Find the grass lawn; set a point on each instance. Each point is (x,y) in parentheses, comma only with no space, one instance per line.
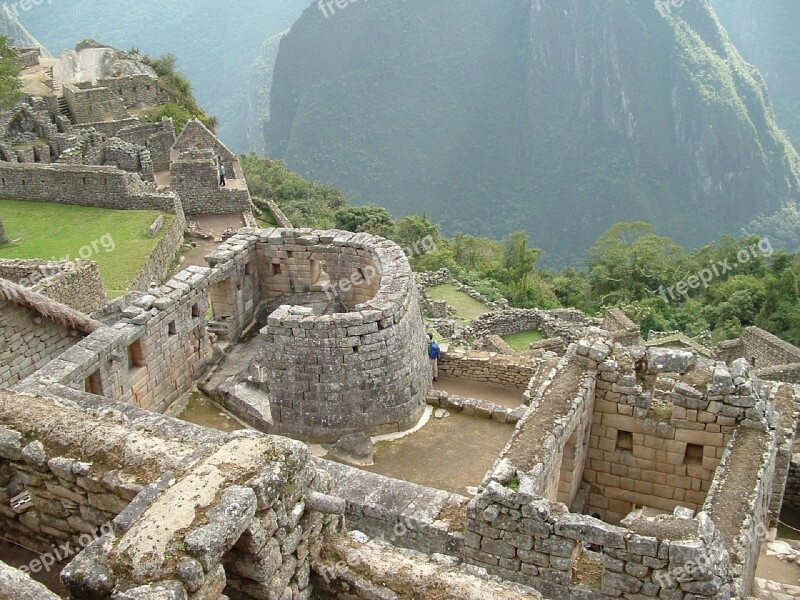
(521,341)
(116,239)
(467,308)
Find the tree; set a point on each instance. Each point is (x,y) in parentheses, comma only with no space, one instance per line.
(630,262)
(10,83)
(477,254)
(369,219)
(413,229)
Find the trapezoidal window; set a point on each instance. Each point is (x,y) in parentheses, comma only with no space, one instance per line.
(93,384)
(624,440)
(135,355)
(694,455)
(276,269)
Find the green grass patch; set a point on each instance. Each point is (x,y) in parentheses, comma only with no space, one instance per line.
(467,308)
(116,239)
(522,341)
(265,219)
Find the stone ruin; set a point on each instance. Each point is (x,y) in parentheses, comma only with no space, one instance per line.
(656,444)
(682,460)
(351,358)
(77,138)
(3,237)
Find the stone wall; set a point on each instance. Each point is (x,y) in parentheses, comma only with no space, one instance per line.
(28,57)
(277,214)
(482,409)
(738,502)
(93,104)
(29,342)
(77,284)
(151,357)
(356,568)
(195,178)
(158,138)
(399,512)
(136,91)
(156,504)
(519,527)
(789,373)
(162,257)
(196,136)
(102,187)
(763,349)
(128,157)
(3,237)
(568,324)
(791,498)
(16,584)
(365,369)
(621,328)
(109,128)
(640,452)
(513,371)
(325,373)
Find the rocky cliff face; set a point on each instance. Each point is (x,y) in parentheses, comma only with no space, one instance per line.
(14,30)
(765,32)
(559,117)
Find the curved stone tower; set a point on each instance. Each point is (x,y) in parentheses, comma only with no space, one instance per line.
(362,370)
(344,350)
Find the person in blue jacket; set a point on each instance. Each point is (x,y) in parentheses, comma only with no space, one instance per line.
(433,356)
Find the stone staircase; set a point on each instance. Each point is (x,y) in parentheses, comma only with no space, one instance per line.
(64,107)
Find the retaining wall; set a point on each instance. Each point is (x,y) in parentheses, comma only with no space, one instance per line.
(101,187)
(162,257)
(513,371)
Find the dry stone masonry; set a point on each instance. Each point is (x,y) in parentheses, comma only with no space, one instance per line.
(683,448)
(682,461)
(211,510)
(352,357)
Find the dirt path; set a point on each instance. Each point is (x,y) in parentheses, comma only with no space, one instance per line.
(772,569)
(493,392)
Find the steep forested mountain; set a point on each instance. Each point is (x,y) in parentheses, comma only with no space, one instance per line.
(561,117)
(766,33)
(216,44)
